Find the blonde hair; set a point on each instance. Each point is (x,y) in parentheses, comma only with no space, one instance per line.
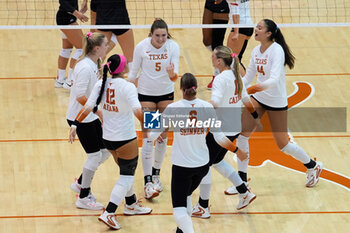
(90,41)
(225,53)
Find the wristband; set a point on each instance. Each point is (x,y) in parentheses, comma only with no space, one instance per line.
(75,124)
(235,150)
(254,114)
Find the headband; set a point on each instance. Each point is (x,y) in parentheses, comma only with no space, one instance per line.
(121,66)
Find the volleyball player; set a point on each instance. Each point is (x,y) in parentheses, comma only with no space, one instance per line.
(238,37)
(215,12)
(227,96)
(114,12)
(119,103)
(85,75)
(158,58)
(189,154)
(269,96)
(67,14)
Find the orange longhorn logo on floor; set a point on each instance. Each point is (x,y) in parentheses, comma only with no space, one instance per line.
(263,148)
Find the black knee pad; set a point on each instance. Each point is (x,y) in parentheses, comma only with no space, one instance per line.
(218,34)
(127,166)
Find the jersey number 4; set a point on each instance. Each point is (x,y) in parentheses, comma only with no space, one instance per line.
(261,70)
(110,96)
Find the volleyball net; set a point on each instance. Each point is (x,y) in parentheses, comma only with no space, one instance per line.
(183,12)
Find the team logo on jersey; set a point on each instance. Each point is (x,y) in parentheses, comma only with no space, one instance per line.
(152,120)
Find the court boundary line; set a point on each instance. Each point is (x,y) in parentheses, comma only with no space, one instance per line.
(167,214)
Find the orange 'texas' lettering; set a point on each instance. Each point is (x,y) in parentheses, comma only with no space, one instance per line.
(158,56)
(263,147)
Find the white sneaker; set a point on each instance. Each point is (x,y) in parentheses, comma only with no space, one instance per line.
(150,192)
(157,185)
(59,83)
(233,191)
(67,85)
(200,212)
(109,220)
(137,209)
(88,203)
(75,186)
(313,175)
(245,199)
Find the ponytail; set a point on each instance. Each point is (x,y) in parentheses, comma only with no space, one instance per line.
(278,37)
(237,75)
(104,79)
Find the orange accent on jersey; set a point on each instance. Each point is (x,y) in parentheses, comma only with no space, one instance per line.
(260,69)
(255,88)
(110,96)
(83,114)
(158,67)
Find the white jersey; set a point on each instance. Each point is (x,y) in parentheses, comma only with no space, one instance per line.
(118,104)
(225,95)
(154,79)
(241,8)
(85,76)
(271,73)
(189,146)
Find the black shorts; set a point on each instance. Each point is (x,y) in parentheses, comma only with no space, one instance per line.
(217,8)
(90,135)
(113,145)
(63,18)
(245,31)
(112,12)
(216,152)
(184,181)
(156,99)
(93,5)
(266,107)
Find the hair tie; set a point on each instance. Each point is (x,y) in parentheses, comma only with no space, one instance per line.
(107,64)
(156,19)
(121,66)
(233,55)
(276,28)
(194,88)
(89,34)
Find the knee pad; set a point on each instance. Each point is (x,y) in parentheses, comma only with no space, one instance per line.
(77,54)
(127,167)
(224,168)
(105,155)
(114,39)
(207,178)
(65,53)
(63,36)
(93,161)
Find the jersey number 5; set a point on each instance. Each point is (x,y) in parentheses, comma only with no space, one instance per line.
(158,67)
(110,96)
(261,70)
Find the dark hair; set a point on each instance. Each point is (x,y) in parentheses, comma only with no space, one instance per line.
(111,65)
(159,23)
(277,35)
(225,53)
(188,84)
